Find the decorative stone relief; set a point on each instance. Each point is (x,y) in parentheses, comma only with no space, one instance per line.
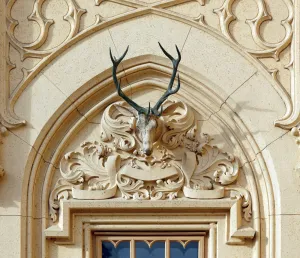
(182,164)
(239,21)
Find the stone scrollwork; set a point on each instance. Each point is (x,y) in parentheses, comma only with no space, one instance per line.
(182,164)
(87,175)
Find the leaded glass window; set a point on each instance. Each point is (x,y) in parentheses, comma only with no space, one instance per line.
(150,246)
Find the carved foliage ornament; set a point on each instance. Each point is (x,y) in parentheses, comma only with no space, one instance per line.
(148,154)
(182,164)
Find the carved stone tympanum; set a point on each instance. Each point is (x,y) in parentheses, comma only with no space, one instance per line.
(148,154)
(182,164)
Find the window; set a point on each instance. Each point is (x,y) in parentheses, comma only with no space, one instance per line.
(151,245)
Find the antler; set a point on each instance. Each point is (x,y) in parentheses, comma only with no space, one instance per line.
(116,62)
(170,91)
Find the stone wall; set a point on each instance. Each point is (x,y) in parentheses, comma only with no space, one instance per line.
(225,148)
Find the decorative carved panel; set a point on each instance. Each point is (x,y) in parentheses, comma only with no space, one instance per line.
(73,191)
(183,165)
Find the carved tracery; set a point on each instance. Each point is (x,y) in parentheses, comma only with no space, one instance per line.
(277,57)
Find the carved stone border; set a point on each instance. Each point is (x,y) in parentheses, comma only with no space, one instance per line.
(236,233)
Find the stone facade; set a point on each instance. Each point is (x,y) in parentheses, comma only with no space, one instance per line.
(224,158)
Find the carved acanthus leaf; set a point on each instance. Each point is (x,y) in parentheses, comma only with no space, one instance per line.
(78,167)
(240,192)
(168,188)
(62,191)
(224,166)
(132,188)
(179,119)
(116,128)
(90,170)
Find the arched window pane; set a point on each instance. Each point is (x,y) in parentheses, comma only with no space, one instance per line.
(157,250)
(178,251)
(121,251)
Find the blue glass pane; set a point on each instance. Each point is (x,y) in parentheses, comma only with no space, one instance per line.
(142,249)
(121,251)
(178,251)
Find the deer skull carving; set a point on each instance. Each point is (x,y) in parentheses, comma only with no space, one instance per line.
(147,118)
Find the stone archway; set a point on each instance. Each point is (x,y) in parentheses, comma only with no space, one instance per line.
(145,75)
(223,84)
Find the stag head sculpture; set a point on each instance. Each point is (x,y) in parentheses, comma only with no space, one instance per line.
(147,118)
